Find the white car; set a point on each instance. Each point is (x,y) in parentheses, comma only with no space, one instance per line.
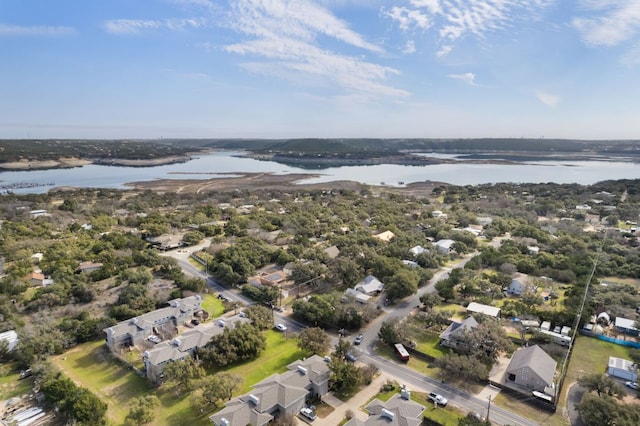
(308,413)
(632,385)
(154,339)
(281,327)
(438,399)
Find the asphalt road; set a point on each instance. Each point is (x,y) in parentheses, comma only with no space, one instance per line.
(366,350)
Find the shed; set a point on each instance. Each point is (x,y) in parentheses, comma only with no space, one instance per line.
(546,325)
(489,310)
(622,368)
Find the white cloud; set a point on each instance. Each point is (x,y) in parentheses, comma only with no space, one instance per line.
(409,18)
(137,26)
(444,50)
(287,35)
(468,77)
(616,21)
(456,19)
(20,30)
(409,48)
(548,99)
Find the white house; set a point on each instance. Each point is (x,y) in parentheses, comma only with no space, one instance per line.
(516,287)
(369,285)
(417,250)
(444,246)
(623,369)
(11,337)
(479,308)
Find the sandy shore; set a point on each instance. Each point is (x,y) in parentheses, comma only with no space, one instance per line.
(66,163)
(268,181)
(61,163)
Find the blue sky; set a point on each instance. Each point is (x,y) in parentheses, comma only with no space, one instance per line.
(324,68)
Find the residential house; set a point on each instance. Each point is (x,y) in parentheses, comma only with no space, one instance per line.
(444,246)
(358,296)
(183,346)
(453,336)
(532,250)
(400,410)
(623,369)
(279,394)
(370,285)
(166,242)
(88,267)
(161,322)
(418,250)
(531,369)
(332,252)
(35,279)
(517,287)
(484,220)
(626,326)
(479,308)
(385,236)
(11,337)
(38,213)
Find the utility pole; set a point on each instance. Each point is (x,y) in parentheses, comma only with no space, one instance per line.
(489,408)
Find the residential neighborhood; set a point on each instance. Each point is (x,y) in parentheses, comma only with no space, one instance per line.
(280,308)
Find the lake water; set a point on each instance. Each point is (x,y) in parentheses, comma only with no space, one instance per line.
(212,165)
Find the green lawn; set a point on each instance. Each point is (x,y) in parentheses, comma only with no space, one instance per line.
(279,353)
(213,305)
(10,385)
(91,366)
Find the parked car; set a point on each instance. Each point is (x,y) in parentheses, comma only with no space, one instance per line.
(25,373)
(308,413)
(281,327)
(351,357)
(438,399)
(632,385)
(154,339)
(358,339)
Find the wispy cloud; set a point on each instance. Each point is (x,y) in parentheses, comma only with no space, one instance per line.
(611,22)
(468,78)
(409,48)
(290,38)
(456,19)
(20,30)
(137,26)
(409,18)
(548,99)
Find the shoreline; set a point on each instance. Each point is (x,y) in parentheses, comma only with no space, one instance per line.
(69,163)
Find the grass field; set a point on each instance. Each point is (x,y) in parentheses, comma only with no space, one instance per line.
(10,385)
(91,366)
(213,305)
(280,352)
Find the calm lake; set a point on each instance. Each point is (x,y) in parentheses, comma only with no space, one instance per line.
(208,166)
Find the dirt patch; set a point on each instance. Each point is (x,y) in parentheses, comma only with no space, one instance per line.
(288,182)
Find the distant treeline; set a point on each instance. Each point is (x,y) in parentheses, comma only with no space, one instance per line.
(50,149)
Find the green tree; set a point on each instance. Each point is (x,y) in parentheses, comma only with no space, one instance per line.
(345,376)
(602,384)
(314,340)
(401,284)
(216,388)
(391,331)
(261,316)
(183,375)
(143,410)
(429,300)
